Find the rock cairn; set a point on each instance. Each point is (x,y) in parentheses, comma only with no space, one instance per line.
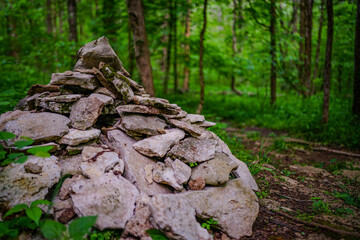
(128,155)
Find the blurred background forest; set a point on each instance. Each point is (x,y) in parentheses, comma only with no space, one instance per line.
(249,45)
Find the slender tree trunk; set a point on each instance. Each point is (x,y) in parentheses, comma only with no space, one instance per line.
(302,45)
(187,48)
(273,51)
(49,26)
(327,69)
(234,50)
(356,100)
(168,49)
(60,16)
(142,53)
(316,67)
(175,48)
(294,17)
(131,53)
(72,19)
(201,70)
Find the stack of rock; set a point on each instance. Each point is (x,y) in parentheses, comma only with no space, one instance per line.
(128,155)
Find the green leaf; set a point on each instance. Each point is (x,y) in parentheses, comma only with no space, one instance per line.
(26,138)
(41,151)
(16,209)
(40,202)
(3,229)
(21,160)
(23,143)
(81,226)
(6,135)
(52,229)
(15,155)
(34,213)
(156,234)
(2,155)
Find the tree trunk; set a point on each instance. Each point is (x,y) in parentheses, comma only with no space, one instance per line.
(316,67)
(168,49)
(294,17)
(327,69)
(234,50)
(72,20)
(187,48)
(131,53)
(175,49)
(60,16)
(49,26)
(356,100)
(142,53)
(201,55)
(273,51)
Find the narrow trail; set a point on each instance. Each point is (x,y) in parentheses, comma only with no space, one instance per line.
(306,192)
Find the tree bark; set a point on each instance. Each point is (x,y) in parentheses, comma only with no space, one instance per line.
(49,26)
(294,16)
(356,99)
(201,70)
(60,16)
(273,51)
(168,49)
(327,69)
(316,67)
(175,48)
(142,53)
(234,50)
(131,53)
(72,19)
(187,48)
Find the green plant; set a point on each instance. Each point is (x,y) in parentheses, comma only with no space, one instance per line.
(320,206)
(349,198)
(104,235)
(156,234)
(209,224)
(193,164)
(287,172)
(344,211)
(279,145)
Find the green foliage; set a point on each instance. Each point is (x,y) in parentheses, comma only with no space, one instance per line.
(156,234)
(193,164)
(209,224)
(349,198)
(320,206)
(41,151)
(104,235)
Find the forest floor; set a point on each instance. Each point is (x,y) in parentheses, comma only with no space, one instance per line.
(305,191)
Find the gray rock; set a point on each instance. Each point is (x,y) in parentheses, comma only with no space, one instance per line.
(182,172)
(40,127)
(70,165)
(242,172)
(92,53)
(105,91)
(191,150)
(39,88)
(111,198)
(168,113)
(163,173)
(66,187)
(192,129)
(102,163)
(75,137)
(63,210)
(103,98)
(86,81)
(56,107)
(154,102)
(138,125)
(73,150)
(9,116)
(158,146)
(174,216)
(206,124)
(19,186)
(195,118)
(215,171)
(134,163)
(29,102)
(32,168)
(234,206)
(85,113)
(63,98)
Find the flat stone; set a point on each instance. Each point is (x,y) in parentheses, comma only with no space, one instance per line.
(63,210)
(75,137)
(242,172)
(66,187)
(215,171)
(32,168)
(164,173)
(132,108)
(39,88)
(193,130)
(29,102)
(192,150)
(92,53)
(102,163)
(234,206)
(137,124)
(107,84)
(56,107)
(41,127)
(63,98)
(105,91)
(182,171)
(154,102)
(158,146)
(85,113)
(19,186)
(111,198)
(70,165)
(197,184)
(11,115)
(195,118)
(86,81)
(206,124)
(309,170)
(73,150)
(103,98)
(134,163)
(174,216)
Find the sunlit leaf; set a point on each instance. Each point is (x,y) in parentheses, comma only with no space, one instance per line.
(52,229)
(6,135)
(81,226)
(40,202)
(23,143)
(41,151)
(15,209)
(34,213)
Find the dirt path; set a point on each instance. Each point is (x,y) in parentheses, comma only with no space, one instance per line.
(304,194)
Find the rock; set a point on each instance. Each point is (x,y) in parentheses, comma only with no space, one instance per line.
(158,146)
(309,170)
(234,206)
(138,125)
(41,127)
(75,137)
(85,113)
(38,88)
(197,184)
(215,171)
(105,91)
(154,102)
(193,130)
(86,81)
(29,103)
(148,173)
(352,174)
(70,165)
(56,107)
(119,168)
(172,113)
(73,150)
(18,186)
(96,167)
(140,222)
(63,210)
(103,98)
(206,124)
(107,84)
(65,189)
(195,118)
(63,98)
(163,173)
(182,172)
(90,153)
(32,168)
(134,163)
(56,147)
(176,218)
(111,198)
(9,116)
(191,150)
(92,53)
(242,172)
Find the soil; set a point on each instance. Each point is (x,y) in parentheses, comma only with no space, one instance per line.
(301,188)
